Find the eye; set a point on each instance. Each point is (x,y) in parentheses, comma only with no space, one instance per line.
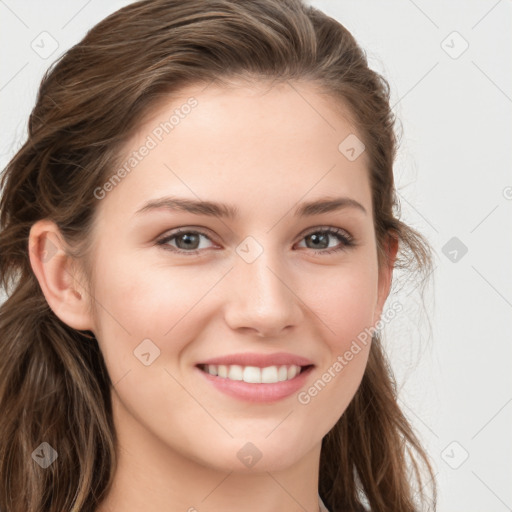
(320,240)
(188,241)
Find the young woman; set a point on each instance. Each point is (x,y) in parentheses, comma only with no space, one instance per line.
(197,242)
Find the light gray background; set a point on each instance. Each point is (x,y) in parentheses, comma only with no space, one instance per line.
(453,175)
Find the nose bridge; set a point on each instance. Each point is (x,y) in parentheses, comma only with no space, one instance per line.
(264,299)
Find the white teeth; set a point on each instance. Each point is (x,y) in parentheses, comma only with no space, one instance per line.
(282,373)
(253,374)
(292,371)
(235,372)
(269,374)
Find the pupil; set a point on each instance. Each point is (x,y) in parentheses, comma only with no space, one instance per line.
(316,238)
(187,238)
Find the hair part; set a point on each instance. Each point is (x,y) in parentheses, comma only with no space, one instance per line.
(54,385)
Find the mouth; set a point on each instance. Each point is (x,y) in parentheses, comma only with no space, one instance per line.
(255,374)
(254,384)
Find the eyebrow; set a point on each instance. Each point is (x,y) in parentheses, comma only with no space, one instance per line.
(212,208)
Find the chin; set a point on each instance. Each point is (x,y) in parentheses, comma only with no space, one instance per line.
(253,458)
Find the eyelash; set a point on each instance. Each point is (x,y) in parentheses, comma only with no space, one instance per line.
(342,235)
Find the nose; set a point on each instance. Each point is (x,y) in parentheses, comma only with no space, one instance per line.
(261,297)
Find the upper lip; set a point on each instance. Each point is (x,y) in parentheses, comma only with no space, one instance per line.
(259,360)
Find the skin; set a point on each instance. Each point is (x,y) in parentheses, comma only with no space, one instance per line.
(264,149)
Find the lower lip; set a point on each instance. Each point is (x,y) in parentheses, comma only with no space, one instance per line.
(258,392)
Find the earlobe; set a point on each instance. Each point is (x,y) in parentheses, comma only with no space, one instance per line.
(52,267)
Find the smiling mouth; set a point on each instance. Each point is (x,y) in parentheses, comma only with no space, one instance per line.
(254,374)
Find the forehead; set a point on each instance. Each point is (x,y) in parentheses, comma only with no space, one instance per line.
(241,116)
(275,142)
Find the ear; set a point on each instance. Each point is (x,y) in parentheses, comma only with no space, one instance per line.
(53,269)
(386,274)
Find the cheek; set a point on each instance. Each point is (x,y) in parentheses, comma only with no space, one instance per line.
(346,311)
(136,302)
(345,303)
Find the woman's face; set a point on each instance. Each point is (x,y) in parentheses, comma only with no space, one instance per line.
(267,279)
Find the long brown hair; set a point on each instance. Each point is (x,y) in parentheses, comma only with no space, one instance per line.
(54,386)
